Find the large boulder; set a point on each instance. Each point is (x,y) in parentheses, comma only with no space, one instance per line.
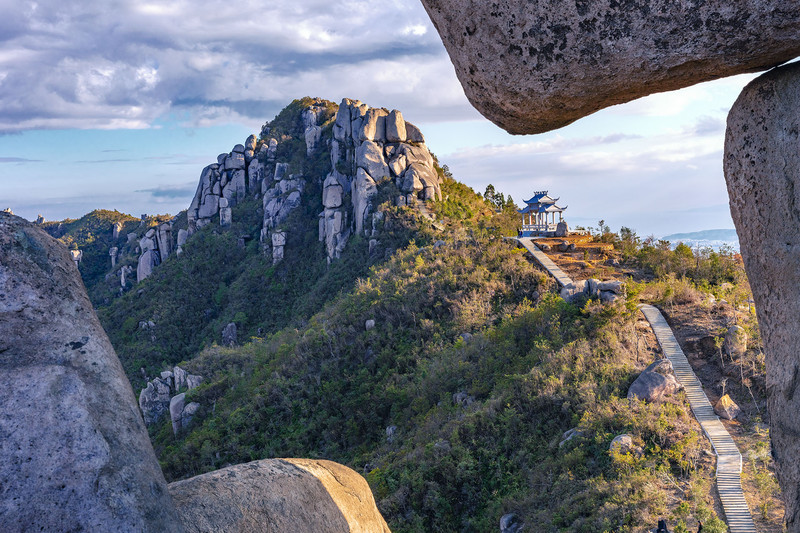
(762,170)
(735,343)
(76,454)
(154,400)
(655,383)
(278,495)
(531,67)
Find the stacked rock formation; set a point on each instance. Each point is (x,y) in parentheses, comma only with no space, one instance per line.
(155,399)
(370,147)
(155,247)
(608,291)
(224,183)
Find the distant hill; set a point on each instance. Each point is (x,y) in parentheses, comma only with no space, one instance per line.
(705,235)
(712,238)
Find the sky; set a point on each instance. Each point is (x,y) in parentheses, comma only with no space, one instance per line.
(119,104)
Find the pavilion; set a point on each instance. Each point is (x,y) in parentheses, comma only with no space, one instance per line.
(539,215)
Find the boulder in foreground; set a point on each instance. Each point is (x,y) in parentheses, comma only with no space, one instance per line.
(762,171)
(76,455)
(531,67)
(278,495)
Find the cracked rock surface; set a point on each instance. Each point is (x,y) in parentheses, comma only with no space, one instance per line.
(531,67)
(76,455)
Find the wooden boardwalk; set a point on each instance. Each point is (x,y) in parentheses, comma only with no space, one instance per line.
(543,260)
(729,460)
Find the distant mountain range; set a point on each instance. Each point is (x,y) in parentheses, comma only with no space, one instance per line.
(715,238)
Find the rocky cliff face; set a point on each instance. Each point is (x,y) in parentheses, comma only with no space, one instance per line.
(76,454)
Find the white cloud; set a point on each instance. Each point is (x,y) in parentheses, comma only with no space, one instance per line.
(124,63)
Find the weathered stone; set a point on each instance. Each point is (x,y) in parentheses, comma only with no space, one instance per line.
(183,236)
(623,444)
(331,192)
(164,239)
(279,495)
(147,262)
(511,523)
(225,216)
(181,413)
(364,190)
(398,164)
(76,454)
(373,127)
(280,171)
(575,290)
(238,184)
(116,227)
(180,378)
(250,143)
(762,169)
(238,149)
(395,127)
(570,434)
(312,136)
(229,334)
(562,229)
(726,408)
(369,324)
(655,383)
(113,253)
(735,343)
(369,156)
(413,134)
(154,401)
(193,381)
(255,175)
(209,207)
(615,286)
(531,67)
(235,161)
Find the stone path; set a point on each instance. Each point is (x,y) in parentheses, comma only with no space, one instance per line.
(543,260)
(729,460)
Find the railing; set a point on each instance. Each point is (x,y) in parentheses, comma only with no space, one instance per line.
(539,227)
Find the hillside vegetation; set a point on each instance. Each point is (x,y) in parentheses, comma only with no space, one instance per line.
(442,365)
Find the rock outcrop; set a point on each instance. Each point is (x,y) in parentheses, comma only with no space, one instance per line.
(655,383)
(371,147)
(76,454)
(155,399)
(531,67)
(181,413)
(229,334)
(762,170)
(735,343)
(278,495)
(608,292)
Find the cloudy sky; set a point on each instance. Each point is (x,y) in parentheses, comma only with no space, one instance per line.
(119,104)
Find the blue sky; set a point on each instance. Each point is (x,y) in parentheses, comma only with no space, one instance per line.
(120,105)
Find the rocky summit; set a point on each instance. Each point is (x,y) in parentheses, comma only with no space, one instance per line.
(368,147)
